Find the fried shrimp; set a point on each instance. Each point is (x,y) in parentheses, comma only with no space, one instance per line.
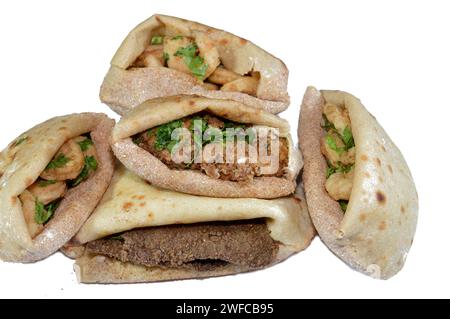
(48,191)
(66,164)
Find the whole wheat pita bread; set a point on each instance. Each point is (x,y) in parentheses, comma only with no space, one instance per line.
(159,111)
(377,230)
(125,88)
(22,162)
(131,203)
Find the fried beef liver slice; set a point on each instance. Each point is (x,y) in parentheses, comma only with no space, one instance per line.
(245,243)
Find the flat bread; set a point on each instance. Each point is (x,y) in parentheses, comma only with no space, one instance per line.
(22,162)
(131,203)
(125,87)
(377,230)
(160,111)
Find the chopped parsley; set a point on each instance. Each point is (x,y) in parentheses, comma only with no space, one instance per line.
(193,61)
(171,145)
(331,142)
(157,39)
(59,161)
(341,168)
(327,125)
(90,164)
(177,37)
(164,134)
(44,212)
(347,138)
(330,171)
(44,183)
(85,144)
(201,132)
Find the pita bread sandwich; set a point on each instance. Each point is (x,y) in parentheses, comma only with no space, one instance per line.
(51,179)
(359,190)
(208,147)
(142,233)
(165,56)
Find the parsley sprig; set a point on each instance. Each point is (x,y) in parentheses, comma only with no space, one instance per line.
(193,61)
(157,39)
(43,213)
(90,164)
(85,144)
(164,134)
(45,183)
(59,161)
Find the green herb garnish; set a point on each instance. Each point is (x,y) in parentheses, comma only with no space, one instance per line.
(177,37)
(157,39)
(90,164)
(164,134)
(341,168)
(194,62)
(59,161)
(347,138)
(44,183)
(333,146)
(198,66)
(327,125)
(44,212)
(85,144)
(330,171)
(344,168)
(171,145)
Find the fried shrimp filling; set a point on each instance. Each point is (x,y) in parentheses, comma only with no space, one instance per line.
(197,56)
(338,147)
(73,163)
(217,147)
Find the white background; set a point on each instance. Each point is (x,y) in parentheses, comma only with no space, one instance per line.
(392,55)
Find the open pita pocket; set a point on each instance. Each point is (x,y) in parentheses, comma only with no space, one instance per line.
(369,177)
(165,56)
(141,233)
(143,141)
(51,179)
